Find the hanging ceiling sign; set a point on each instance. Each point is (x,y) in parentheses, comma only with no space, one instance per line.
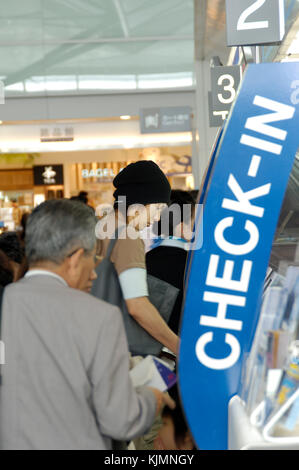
(173,119)
(256,22)
(57,134)
(226,276)
(225,82)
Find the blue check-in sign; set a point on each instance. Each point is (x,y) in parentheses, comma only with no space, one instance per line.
(226,276)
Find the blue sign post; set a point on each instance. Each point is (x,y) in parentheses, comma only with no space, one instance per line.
(226,277)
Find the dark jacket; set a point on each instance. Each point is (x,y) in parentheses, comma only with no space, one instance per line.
(168,263)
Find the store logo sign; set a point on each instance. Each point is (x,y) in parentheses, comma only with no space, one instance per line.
(98,173)
(49,175)
(226,277)
(57,134)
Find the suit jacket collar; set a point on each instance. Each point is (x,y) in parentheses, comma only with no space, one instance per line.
(44,272)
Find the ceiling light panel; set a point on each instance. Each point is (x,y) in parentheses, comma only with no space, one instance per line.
(93,45)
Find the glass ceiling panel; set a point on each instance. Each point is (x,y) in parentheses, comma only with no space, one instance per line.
(94,42)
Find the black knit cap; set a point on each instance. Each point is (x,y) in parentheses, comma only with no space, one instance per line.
(142,183)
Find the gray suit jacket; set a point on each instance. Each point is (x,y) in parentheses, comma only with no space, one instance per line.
(66,381)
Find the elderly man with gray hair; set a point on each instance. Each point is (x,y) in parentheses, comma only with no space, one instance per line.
(65,381)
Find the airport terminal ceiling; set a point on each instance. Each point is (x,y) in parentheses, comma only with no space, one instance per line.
(79,46)
(95,46)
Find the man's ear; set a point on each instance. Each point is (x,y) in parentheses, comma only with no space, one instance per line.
(74,260)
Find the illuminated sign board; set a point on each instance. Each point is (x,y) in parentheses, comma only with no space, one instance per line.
(46,175)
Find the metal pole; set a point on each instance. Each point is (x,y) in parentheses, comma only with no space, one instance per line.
(203,135)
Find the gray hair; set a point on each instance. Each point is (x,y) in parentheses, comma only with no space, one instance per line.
(58,227)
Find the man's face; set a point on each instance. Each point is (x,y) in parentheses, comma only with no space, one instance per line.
(82,270)
(154,212)
(145,216)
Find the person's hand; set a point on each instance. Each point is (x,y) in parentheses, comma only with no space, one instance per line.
(162,399)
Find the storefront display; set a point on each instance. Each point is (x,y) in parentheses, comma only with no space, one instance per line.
(96,178)
(23,189)
(48,182)
(12,206)
(16,196)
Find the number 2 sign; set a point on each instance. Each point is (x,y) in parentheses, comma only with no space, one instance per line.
(256,22)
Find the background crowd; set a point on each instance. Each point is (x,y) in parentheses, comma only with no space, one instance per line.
(69,346)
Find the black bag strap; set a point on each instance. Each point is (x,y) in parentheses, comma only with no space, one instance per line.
(113,241)
(110,247)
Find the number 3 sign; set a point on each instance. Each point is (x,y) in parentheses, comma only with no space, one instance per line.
(225,82)
(256,22)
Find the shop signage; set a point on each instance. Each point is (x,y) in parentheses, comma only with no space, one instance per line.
(98,173)
(256,22)
(46,175)
(171,165)
(57,134)
(225,82)
(226,276)
(173,119)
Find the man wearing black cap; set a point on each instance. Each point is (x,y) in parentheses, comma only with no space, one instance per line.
(142,191)
(142,183)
